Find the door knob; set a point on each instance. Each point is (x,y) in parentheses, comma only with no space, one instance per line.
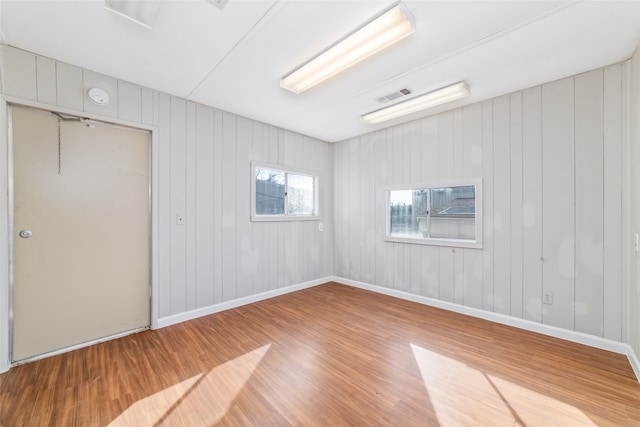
(25,234)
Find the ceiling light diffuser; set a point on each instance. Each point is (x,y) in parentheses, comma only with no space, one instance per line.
(141,12)
(377,34)
(418,103)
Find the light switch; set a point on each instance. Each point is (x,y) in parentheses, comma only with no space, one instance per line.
(179,219)
(320,226)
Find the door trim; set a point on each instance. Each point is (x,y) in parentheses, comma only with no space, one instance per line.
(10,227)
(7,103)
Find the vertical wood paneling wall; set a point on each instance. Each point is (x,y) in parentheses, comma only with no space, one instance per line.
(551,159)
(556,178)
(204,174)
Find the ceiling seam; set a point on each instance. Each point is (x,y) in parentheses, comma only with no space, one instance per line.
(233,48)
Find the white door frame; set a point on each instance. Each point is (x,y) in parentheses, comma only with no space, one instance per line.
(6,216)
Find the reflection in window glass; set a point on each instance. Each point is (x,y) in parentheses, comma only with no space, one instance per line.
(444,213)
(270,192)
(299,194)
(405,207)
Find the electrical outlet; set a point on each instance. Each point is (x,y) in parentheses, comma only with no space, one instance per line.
(547,298)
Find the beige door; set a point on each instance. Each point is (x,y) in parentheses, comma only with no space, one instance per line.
(83,194)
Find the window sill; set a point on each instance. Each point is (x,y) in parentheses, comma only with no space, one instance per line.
(282,218)
(453,243)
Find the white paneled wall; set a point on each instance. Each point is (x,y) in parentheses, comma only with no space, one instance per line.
(551,159)
(631,157)
(555,173)
(204,175)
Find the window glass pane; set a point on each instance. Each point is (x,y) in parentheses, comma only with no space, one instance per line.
(300,196)
(440,213)
(269,192)
(408,211)
(453,213)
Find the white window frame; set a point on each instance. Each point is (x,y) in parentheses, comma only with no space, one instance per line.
(286,170)
(456,243)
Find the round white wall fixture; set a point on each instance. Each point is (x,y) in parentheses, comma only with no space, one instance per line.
(98,96)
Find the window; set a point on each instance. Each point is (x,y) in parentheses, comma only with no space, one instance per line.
(280,194)
(445,215)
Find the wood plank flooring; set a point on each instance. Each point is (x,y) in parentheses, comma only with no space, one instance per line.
(331,355)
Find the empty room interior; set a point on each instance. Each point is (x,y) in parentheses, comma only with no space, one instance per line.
(319,213)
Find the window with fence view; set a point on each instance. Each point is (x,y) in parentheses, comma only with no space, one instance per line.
(281,193)
(447,212)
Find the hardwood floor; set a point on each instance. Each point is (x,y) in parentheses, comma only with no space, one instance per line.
(326,356)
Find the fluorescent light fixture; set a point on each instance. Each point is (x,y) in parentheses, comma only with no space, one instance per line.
(141,12)
(421,102)
(372,37)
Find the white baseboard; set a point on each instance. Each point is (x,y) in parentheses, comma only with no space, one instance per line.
(635,363)
(216,308)
(553,331)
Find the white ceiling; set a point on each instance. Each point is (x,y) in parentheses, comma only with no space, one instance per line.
(233,58)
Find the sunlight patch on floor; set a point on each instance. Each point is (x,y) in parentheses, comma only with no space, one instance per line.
(200,400)
(461,395)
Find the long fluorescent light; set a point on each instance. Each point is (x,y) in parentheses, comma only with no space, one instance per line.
(379,33)
(421,102)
